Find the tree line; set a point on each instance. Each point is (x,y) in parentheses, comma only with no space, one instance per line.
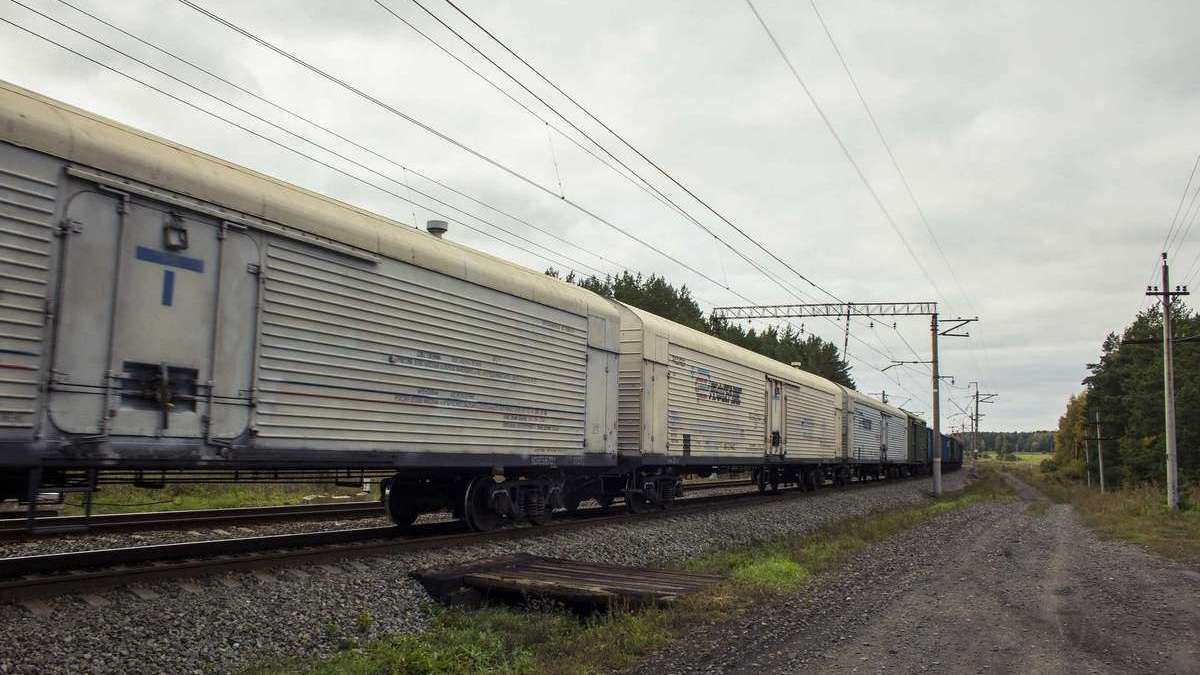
(1005,442)
(1125,391)
(654,294)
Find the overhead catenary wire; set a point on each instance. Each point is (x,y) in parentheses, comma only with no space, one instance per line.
(257,134)
(626,143)
(405,169)
(243,128)
(862,99)
(635,150)
(479,155)
(501,166)
(693,220)
(844,148)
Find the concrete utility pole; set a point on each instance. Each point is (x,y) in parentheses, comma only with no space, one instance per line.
(937,409)
(1169,381)
(1100,451)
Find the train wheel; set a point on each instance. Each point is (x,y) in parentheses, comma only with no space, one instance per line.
(477,505)
(571,502)
(636,503)
(397,505)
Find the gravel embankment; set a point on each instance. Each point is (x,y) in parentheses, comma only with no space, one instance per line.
(222,624)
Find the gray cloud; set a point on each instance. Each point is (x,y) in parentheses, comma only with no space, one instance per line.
(1047,142)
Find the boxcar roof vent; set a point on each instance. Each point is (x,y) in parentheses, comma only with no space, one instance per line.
(436,227)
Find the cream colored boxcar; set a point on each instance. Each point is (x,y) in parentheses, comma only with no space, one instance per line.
(690,399)
(161,309)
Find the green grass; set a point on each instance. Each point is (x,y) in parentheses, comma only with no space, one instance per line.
(126,498)
(514,641)
(507,641)
(1135,514)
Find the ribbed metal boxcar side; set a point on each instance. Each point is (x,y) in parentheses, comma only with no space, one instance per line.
(896,447)
(330,337)
(28,213)
(864,425)
(703,401)
(812,430)
(715,408)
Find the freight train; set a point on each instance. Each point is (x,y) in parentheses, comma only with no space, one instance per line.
(169,316)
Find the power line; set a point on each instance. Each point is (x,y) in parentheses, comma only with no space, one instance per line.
(241,127)
(892,157)
(259,135)
(636,151)
(1174,218)
(335,134)
(576,127)
(627,144)
(841,144)
(447,138)
(520,103)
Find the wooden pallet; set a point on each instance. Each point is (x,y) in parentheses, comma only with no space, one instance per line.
(523,576)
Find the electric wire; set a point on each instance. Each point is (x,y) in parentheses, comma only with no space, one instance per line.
(428,128)
(448,139)
(258,135)
(277,106)
(635,150)
(606,127)
(896,164)
(247,130)
(579,130)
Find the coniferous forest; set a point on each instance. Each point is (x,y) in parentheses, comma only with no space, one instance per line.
(654,294)
(1125,390)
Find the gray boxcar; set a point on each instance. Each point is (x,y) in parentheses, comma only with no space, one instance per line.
(164,310)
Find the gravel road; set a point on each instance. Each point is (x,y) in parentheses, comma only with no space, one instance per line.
(224,623)
(995,588)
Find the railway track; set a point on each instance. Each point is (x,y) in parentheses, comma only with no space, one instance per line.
(162,520)
(31,577)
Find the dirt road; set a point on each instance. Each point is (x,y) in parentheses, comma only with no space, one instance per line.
(996,588)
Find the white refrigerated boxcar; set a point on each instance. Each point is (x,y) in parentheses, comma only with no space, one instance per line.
(692,402)
(162,310)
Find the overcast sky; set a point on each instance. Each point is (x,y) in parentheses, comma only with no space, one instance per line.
(1048,144)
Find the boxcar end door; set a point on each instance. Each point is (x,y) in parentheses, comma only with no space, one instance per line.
(776,419)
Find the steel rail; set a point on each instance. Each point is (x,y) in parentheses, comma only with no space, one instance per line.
(150,520)
(55,574)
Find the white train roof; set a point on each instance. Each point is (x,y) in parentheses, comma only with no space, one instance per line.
(39,123)
(713,346)
(862,399)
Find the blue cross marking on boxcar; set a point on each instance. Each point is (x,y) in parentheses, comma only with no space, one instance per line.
(168,259)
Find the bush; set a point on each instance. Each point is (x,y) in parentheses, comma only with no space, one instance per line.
(1049,465)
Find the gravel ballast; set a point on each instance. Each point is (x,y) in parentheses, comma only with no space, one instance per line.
(87,541)
(228,622)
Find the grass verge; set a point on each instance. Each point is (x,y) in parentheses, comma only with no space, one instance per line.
(506,640)
(1135,514)
(127,499)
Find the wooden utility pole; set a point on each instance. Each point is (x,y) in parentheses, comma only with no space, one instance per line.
(1100,451)
(1167,296)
